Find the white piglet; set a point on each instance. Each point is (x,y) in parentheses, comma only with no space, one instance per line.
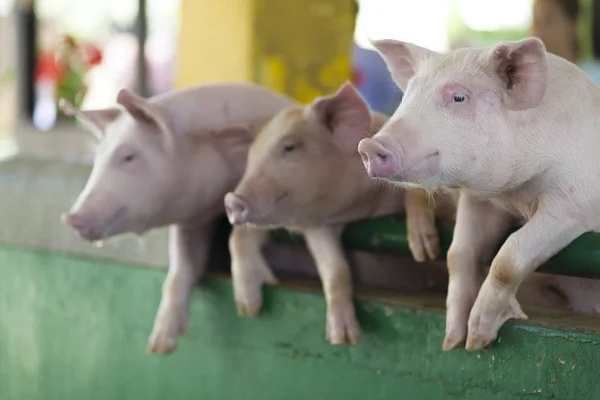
(168,161)
(518,129)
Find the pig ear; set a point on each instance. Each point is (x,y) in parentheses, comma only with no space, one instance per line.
(401,58)
(233,142)
(95,120)
(141,109)
(523,69)
(345,113)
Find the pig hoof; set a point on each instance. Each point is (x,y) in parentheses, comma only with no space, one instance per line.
(342,327)
(167,328)
(248,290)
(424,243)
(249,309)
(161,345)
(476,343)
(453,340)
(488,316)
(459,303)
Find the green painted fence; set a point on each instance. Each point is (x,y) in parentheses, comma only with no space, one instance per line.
(76,328)
(388,234)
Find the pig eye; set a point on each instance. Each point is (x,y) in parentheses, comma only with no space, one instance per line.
(290,147)
(458,98)
(129,158)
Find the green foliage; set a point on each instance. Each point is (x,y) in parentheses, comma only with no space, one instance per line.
(72,86)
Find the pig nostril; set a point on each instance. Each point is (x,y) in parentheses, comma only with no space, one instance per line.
(235,208)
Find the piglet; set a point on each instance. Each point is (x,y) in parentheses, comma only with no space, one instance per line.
(305,174)
(518,129)
(168,161)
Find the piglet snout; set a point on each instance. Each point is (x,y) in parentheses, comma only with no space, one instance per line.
(80,223)
(76,221)
(379,161)
(66,218)
(236,209)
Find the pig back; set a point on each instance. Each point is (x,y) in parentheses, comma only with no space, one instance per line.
(204,107)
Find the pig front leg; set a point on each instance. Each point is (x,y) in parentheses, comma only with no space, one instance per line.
(326,248)
(478,230)
(547,232)
(249,268)
(188,254)
(423,237)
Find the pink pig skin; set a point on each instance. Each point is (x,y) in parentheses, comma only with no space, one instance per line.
(304,173)
(518,129)
(169,161)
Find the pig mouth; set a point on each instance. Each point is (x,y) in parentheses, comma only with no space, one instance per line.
(264,215)
(110,228)
(417,168)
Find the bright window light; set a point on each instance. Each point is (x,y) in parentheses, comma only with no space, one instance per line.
(5,7)
(422,22)
(486,15)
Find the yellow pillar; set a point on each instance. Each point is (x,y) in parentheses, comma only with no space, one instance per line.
(215,41)
(298,47)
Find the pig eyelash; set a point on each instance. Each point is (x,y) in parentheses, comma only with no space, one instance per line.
(459,98)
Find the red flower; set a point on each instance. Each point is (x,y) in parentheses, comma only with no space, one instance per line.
(92,54)
(47,67)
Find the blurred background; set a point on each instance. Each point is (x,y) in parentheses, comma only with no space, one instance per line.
(86,50)
(62,332)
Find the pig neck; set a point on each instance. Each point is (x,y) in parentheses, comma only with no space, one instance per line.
(357,196)
(204,179)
